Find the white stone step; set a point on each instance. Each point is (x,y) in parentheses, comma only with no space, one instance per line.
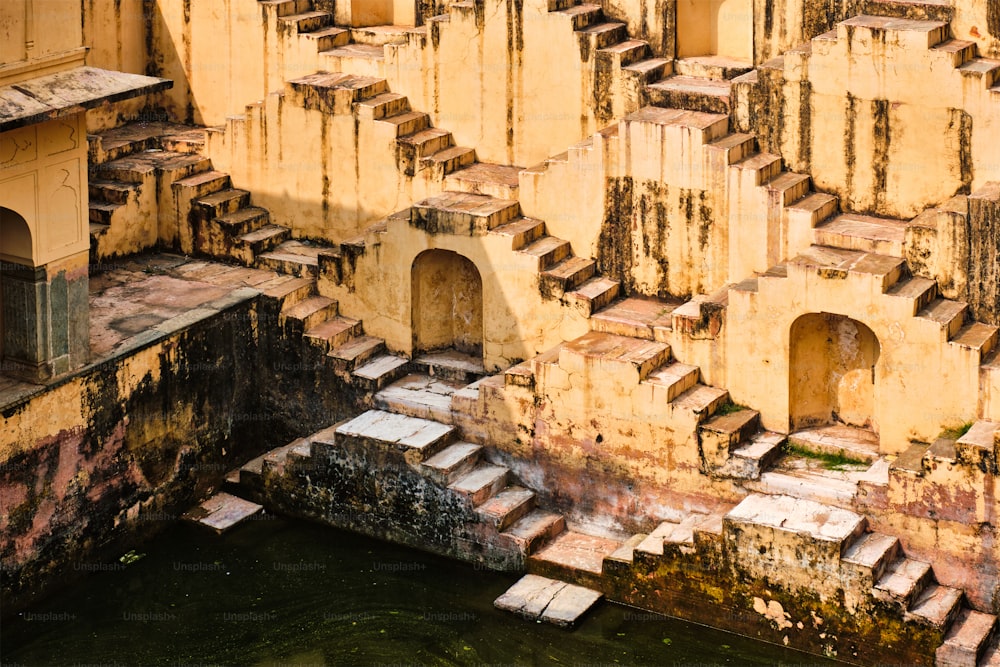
(542,599)
(418,439)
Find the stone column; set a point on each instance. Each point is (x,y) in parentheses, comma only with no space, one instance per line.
(46,318)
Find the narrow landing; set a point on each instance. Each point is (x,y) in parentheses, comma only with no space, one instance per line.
(223,511)
(542,599)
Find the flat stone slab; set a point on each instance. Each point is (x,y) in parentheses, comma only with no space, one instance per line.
(797,515)
(838,439)
(578,551)
(542,599)
(411,432)
(223,512)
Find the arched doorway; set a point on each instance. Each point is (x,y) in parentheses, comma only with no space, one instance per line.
(447,303)
(15,238)
(15,250)
(832,372)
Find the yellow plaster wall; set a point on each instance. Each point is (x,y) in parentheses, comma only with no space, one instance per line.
(43,178)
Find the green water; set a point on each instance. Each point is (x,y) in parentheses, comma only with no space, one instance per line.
(280,593)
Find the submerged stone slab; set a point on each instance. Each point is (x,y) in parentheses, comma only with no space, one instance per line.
(223,512)
(542,599)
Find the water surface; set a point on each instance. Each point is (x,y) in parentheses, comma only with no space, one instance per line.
(279,593)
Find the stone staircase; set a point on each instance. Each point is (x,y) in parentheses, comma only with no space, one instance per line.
(131,172)
(494,519)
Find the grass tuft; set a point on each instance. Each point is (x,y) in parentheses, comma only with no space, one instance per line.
(836,461)
(956,432)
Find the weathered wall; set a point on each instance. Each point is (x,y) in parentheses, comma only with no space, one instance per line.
(111,453)
(984,253)
(517,322)
(846,111)
(915,357)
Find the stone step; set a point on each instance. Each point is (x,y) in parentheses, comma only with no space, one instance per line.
(649,70)
(978,446)
(97,229)
(137,167)
(203,183)
(883,271)
(548,250)
(273,463)
(448,160)
(309,313)
(977,336)
(452,462)
(638,317)
(573,552)
(985,70)
(383,105)
(419,395)
(307,21)
(712,67)
(669,532)
(720,434)
(865,233)
(541,599)
(101,213)
(243,221)
(380,371)
(734,147)
(968,640)
(626,552)
(763,167)
(113,192)
(602,35)
(223,202)
(676,377)
(380,34)
(328,38)
(869,556)
(594,294)
(903,582)
(991,656)
(506,507)
(861,32)
(916,292)
(949,315)
(838,440)
(356,352)
(481,483)
(412,148)
(566,275)
(462,213)
(692,93)
(522,231)
(292,258)
(333,93)
(223,512)
(813,208)
(285,7)
(600,352)
(288,290)
(625,53)
(806,485)
(701,400)
(406,123)
(956,51)
(937,10)
(451,365)
(333,332)
(775,530)
(494,180)
(750,459)
(264,239)
(417,439)
(534,529)
(787,188)
(581,15)
(936,606)
(360,59)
